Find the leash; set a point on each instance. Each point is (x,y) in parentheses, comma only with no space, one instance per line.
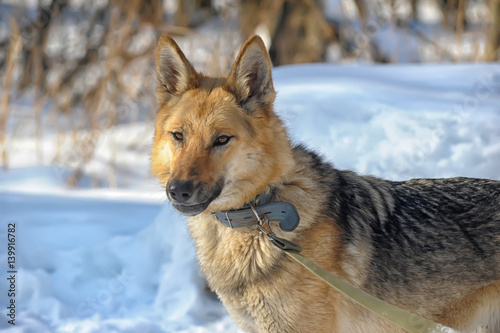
(404,319)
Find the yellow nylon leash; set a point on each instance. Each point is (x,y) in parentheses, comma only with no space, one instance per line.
(402,318)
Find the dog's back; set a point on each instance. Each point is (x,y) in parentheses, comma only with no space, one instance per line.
(450,224)
(434,231)
(443,239)
(425,225)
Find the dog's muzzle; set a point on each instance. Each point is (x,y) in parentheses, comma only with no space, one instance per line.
(189,198)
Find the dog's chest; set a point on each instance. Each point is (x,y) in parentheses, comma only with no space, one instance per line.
(262,307)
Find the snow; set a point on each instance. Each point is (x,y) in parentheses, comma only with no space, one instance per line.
(121,260)
(397,121)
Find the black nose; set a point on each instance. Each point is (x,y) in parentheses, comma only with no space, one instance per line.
(180,190)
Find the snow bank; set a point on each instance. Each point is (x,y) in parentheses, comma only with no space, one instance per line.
(397,122)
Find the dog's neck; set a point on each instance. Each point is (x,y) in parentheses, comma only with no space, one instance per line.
(244,216)
(259,212)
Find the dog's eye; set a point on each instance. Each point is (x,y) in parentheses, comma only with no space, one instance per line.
(222,140)
(178,136)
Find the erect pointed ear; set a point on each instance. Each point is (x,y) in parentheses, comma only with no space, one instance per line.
(251,79)
(175,73)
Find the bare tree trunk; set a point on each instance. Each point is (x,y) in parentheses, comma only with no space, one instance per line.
(15,47)
(298,29)
(192,13)
(455,10)
(36,35)
(414,9)
(362,10)
(493,41)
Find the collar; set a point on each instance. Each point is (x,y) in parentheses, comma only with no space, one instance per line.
(283,212)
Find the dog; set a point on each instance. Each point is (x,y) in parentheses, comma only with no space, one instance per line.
(429,246)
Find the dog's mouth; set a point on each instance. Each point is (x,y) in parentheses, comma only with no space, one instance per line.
(198,201)
(191,210)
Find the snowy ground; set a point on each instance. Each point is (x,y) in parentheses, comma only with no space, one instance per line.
(120,260)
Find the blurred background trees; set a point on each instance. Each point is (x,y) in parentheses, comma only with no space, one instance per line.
(86,66)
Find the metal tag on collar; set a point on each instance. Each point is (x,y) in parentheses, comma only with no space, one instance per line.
(279,242)
(263,224)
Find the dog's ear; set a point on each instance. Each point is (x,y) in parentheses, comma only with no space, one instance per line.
(250,79)
(175,73)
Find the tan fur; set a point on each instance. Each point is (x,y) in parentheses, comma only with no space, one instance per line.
(470,312)
(263,290)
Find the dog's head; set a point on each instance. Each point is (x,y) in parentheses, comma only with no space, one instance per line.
(217,141)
